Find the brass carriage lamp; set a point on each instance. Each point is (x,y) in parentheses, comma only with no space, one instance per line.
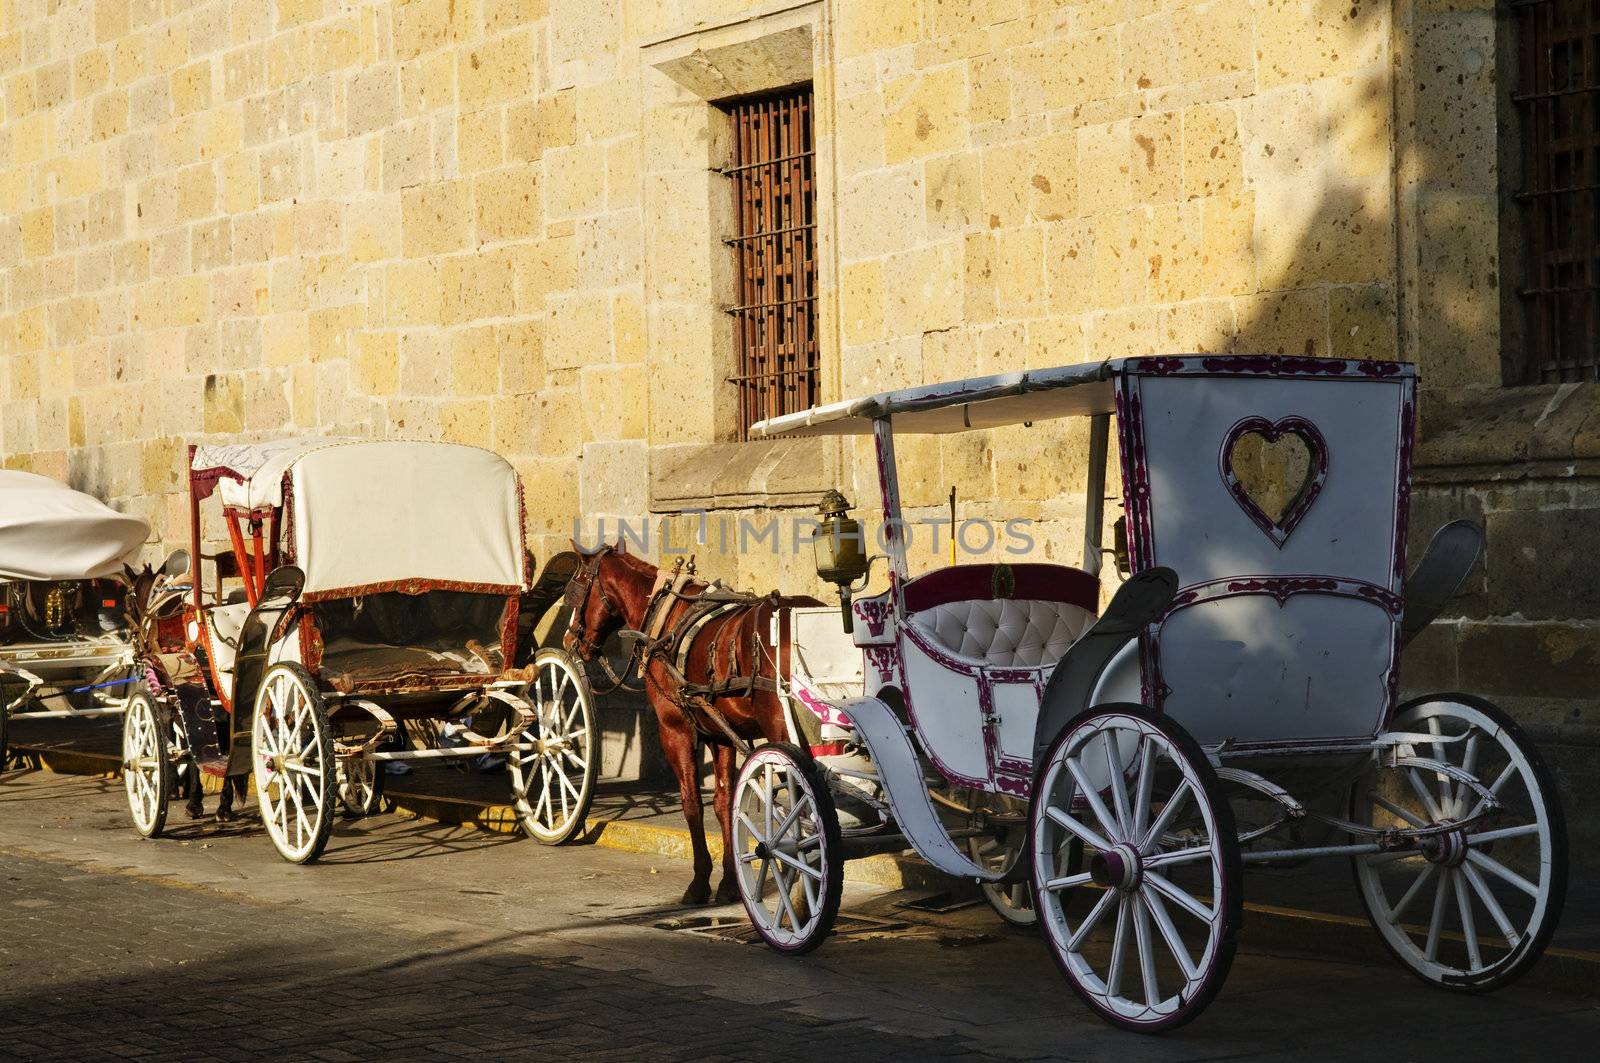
(841,558)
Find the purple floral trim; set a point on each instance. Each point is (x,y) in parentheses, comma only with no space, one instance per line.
(1276,530)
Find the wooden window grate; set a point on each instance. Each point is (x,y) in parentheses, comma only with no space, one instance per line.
(775,247)
(1559,102)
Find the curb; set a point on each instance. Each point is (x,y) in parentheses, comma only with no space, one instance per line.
(1267,926)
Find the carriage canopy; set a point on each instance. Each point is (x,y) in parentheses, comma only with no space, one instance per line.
(365,516)
(48,531)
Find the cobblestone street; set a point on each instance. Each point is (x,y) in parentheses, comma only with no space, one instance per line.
(417,941)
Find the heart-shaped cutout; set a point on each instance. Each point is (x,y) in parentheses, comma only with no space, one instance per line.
(1275,470)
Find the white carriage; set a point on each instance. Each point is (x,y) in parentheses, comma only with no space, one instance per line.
(66,630)
(372,593)
(1125,763)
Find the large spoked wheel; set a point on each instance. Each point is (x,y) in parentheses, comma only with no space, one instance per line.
(1475,907)
(1136,870)
(553,776)
(999,849)
(359,781)
(789,856)
(292,748)
(147,772)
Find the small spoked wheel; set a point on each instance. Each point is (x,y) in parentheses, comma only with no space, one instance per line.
(359,781)
(787,848)
(1472,908)
(292,750)
(557,759)
(998,849)
(1136,869)
(147,772)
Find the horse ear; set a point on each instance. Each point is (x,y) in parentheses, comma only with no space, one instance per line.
(578,549)
(622,545)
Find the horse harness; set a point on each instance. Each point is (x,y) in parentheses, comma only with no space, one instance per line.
(672,644)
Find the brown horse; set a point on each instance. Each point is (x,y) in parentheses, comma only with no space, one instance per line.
(723,692)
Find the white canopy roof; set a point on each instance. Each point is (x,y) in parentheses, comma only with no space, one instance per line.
(373,513)
(978,402)
(252,473)
(48,531)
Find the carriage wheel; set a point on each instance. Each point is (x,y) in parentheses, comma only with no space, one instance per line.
(1476,907)
(1011,901)
(788,852)
(359,782)
(147,772)
(292,748)
(1145,931)
(553,783)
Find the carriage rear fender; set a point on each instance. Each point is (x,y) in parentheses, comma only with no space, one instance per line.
(1444,567)
(1138,602)
(900,772)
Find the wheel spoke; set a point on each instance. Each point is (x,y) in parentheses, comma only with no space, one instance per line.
(1169,933)
(1067,883)
(1142,788)
(1117,784)
(1494,789)
(785,906)
(1469,927)
(1147,955)
(799,865)
(1411,894)
(1084,834)
(1490,904)
(1108,822)
(1179,897)
(1441,899)
(1091,920)
(1394,809)
(1169,812)
(1500,870)
(1501,833)
(1177,856)
(1421,788)
(1119,948)
(1469,764)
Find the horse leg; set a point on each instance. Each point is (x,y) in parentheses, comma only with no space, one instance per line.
(678,742)
(725,763)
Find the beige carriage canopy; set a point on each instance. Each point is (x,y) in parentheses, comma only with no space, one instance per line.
(959,405)
(48,531)
(374,515)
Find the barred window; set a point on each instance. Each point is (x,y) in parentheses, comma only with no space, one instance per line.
(775,246)
(1559,102)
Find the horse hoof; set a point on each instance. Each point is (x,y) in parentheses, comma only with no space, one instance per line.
(697,895)
(226,815)
(194,811)
(727,893)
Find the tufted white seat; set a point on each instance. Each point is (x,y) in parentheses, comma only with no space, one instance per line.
(1005,632)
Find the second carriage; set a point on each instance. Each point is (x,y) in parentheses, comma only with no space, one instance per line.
(1236,701)
(374,604)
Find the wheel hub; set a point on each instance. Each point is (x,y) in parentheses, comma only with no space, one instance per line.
(1116,868)
(1446,850)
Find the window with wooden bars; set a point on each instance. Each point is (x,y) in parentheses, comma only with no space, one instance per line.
(775,247)
(1559,103)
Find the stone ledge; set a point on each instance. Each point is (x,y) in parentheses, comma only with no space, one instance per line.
(765,474)
(1539,431)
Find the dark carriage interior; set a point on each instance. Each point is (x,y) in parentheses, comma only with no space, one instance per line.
(35,611)
(391,635)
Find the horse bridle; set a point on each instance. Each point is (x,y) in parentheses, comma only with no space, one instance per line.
(576,599)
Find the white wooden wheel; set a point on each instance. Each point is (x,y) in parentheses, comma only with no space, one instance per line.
(999,851)
(1136,870)
(292,750)
(1476,907)
(557,758)
(147,773)
(789,859)
(359,782)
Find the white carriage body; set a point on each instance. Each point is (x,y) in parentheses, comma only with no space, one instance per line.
(1280,635)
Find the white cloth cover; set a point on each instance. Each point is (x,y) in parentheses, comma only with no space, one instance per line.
(377,512)
(256,469)
(1006,633)
(48,531)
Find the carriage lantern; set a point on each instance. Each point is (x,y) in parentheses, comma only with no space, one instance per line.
(837,542)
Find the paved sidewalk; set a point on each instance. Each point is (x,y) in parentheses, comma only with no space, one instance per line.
(418,941)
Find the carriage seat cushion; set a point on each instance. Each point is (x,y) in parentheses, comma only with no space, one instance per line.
(1007,633)
(1007,616)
